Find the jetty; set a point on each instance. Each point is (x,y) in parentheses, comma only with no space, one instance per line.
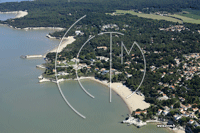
(44,80)
(40,77)
(31,56)
(134,121)
(58,81)
(40,66)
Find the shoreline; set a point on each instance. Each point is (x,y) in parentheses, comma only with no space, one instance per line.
(133,103)
(43,28)
(35,28)
(19,14)
(125,100)
(122,92)
(66,41)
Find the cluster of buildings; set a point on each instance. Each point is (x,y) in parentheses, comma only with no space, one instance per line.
(102,47)
(195,56)
(109,26)
(188,111)
(102,58)
(175,28)
(184,111)
(161,13)
(164,112)
(78,32)
(190,68)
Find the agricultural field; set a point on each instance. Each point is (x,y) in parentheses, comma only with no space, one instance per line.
(195,14)
(189,15)
(186,18)
(150,16)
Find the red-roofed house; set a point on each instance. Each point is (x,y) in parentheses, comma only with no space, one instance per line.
(189,106)
(191,121)
(137,113)
(159,111)
(172,87)
(144,112)
(195,109)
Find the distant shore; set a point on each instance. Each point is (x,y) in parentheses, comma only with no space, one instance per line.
(20,14)
(43,28)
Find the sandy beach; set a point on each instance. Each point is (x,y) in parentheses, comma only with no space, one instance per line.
(19,14)
(179,131)
(133,103)
(66,41)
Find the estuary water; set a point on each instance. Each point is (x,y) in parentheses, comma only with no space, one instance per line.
(27,106)
(3,1)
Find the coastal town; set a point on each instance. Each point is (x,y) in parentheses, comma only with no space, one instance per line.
(171,108)
(146,53)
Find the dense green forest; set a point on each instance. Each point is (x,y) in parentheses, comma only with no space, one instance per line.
(61,13)
(170,44)
(140,30)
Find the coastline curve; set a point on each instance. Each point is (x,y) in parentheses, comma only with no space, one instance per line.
(60,90)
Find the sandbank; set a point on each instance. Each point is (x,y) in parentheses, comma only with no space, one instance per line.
(65,42)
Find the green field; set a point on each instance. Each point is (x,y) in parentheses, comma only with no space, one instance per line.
(195,14)
(150,16)
(187,19)
(158,17)
(189,15)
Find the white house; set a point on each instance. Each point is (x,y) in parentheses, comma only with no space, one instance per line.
(165,112)
(177,117)
(191,121)
(159,111)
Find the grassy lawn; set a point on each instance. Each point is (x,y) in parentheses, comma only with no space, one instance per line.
(187,19)
(195,14)
(189,15)
(71,63)
(150,16)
